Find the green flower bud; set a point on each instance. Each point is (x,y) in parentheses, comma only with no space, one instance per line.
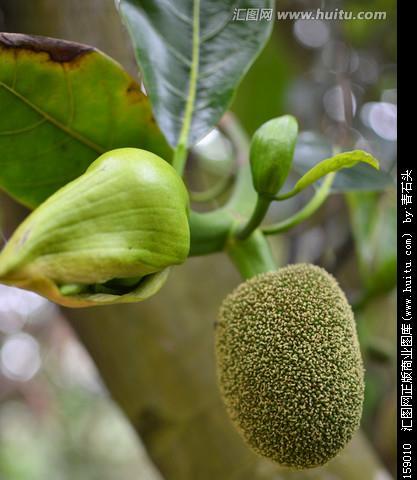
(107,237)
(271,154)
(289,365)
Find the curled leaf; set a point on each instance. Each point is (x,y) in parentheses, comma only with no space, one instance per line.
(333,164)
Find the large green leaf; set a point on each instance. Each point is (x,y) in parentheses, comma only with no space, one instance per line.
(62,105)
(192,55)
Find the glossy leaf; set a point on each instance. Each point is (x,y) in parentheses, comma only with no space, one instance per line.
(333,164)
(63,104)
(192,55)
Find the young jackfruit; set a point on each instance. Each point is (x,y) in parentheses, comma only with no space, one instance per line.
(289,365)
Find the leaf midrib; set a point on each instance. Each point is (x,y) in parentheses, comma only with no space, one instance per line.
(192,90)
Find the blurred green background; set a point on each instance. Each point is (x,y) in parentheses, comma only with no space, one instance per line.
(58,417)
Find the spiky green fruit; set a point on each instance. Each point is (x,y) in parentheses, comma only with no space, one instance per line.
(109,236)
(289,365)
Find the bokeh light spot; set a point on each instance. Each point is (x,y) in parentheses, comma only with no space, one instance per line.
(20,357)
(311,33)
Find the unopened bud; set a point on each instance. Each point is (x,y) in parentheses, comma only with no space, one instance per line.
(271,154)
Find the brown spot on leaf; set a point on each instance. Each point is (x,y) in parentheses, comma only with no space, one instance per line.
(59,50)
(133,87)
(134,93)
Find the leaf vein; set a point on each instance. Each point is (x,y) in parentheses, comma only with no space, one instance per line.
(54,121)
(181,16)
(23,129)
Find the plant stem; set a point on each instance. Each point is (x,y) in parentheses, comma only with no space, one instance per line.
(287,195)
(258,214)
(313,205)
(251,256)
(180,157)
(180,153)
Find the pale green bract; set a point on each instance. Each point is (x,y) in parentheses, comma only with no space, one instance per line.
(333,164)
(109,236)
(339,161)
